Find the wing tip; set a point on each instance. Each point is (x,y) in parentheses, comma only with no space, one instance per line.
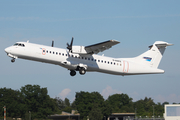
(115,41)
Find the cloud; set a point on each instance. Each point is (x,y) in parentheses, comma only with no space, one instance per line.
(64,93)
(109,91)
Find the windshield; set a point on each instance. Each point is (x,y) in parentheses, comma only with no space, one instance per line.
(19,44)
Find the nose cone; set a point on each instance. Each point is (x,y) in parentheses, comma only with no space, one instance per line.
(7,50)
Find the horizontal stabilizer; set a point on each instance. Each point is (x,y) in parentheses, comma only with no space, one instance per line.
(162,44)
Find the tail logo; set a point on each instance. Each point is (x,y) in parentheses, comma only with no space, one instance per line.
(147,59)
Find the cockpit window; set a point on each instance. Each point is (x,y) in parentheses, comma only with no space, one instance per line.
(16,44)
(19,44)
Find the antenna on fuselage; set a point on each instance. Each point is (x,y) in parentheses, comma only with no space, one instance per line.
(52,43)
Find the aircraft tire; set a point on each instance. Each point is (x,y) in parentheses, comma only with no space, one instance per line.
(82,71)
(73,73)
(13,60)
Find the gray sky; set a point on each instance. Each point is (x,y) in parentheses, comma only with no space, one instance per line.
(136,24)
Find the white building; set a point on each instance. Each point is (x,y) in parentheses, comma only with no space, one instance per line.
(172,112)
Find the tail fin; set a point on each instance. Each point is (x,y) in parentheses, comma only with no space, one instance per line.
(154,55)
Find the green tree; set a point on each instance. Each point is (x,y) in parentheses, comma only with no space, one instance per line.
(73,105)
(63,105)
(145,107)
(106,109)
(67,109)
(164,103)
(95,113)
(67,102)
(37,101)
(12,99)
(85,100)
(120,103)
(158,110)
(60,103)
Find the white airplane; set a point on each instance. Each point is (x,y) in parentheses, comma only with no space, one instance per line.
(84,58)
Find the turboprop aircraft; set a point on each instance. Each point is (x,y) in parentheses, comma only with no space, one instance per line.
(85,59)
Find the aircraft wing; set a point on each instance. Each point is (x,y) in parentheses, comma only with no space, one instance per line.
(99,47)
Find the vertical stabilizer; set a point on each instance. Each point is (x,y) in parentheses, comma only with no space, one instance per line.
(154,55)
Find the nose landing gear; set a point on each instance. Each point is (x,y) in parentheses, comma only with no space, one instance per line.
(13,60)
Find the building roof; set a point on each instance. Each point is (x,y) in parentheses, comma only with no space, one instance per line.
(123,114)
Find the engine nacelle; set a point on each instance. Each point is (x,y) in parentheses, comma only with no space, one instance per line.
(79,50)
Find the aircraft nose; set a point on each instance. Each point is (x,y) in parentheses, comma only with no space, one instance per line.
(7,50)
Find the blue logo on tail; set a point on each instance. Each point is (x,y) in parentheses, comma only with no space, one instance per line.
(147,58)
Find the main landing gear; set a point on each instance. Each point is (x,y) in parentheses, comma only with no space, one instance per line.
(81,70)
(73,73)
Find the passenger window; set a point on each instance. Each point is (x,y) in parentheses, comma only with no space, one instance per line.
(50,52)
(82,57)
(85,58)
(88,58)
(98,60)
(102,61)
(72,56)
(53,52)
(111,62)
(63,54)
(92,59)
(59,53)
(56,53)
(47,51)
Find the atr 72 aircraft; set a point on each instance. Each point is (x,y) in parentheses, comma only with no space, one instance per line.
(84,58)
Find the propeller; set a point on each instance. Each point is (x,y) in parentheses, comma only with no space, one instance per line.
(52,43)
(69,47)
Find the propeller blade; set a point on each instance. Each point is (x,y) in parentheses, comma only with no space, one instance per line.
(69,47)
(72,41)
(150,46)
(52,43)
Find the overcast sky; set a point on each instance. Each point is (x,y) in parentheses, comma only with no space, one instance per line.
(136,24)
